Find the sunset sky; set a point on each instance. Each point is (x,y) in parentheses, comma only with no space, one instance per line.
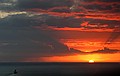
(59,30)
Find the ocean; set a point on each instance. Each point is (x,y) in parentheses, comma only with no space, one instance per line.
(60,69)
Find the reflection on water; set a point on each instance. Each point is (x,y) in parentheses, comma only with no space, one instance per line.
(60,69)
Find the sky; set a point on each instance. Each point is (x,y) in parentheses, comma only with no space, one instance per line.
(59,30)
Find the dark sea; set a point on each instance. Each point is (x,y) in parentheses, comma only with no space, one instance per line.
(60,69)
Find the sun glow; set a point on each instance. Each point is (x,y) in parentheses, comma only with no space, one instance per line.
(91,61)
(80,58)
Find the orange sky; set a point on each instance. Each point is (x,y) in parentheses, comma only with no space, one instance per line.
(84,40)
(81,58)
(84,26)
(60,30)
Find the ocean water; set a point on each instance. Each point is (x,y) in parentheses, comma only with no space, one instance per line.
(60,69)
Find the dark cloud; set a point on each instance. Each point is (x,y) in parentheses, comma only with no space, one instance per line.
(48,4)
(101,51)
(101,0)
(60,9)
(8,5)
(106,50)
(110,6)
(23,21)
(29,21)
(110,23)
(18,40)
(73,22)
(43,4)
(98,7)
(109,0)
(64,22)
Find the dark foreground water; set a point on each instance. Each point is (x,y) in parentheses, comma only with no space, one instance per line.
(61,69)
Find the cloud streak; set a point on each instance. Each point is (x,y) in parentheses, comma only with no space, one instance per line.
(101,51)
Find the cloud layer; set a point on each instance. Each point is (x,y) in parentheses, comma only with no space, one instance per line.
(19,40)
(25,25)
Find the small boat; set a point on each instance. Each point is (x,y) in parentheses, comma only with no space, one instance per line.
(15,71)
(13,74)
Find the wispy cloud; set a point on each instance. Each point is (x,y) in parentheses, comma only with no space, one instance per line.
(5,14)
